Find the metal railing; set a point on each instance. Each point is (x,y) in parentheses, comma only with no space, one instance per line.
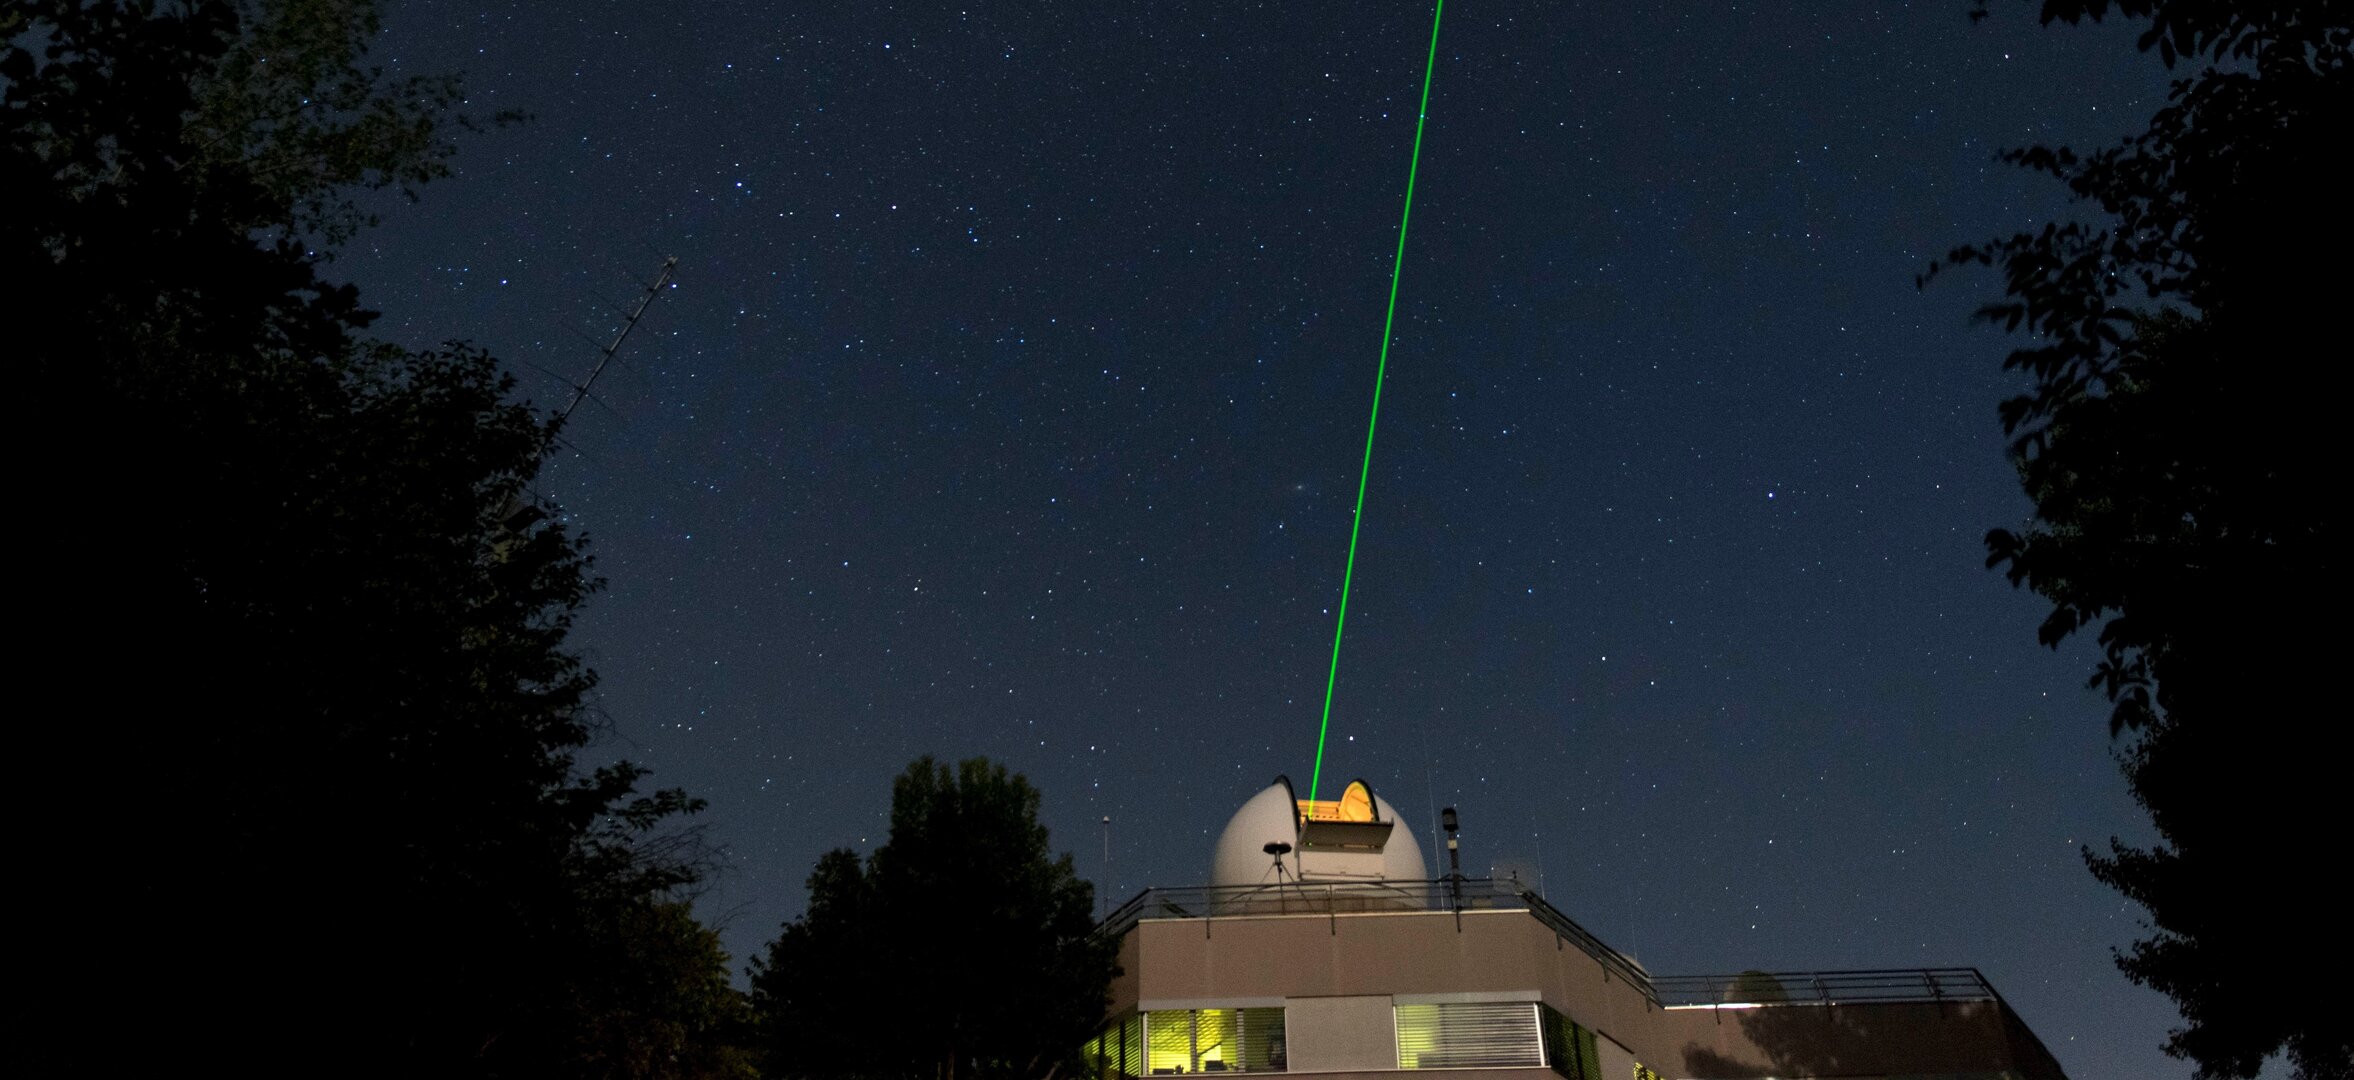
(1761,988)
(1612,961)
(1360,897)
(1301,898)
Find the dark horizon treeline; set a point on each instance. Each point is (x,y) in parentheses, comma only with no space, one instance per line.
(2178,441)
(320,735)
(316,732)
(316,735)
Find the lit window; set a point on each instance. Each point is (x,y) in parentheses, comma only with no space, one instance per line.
(1213,1040)
(1498,1034)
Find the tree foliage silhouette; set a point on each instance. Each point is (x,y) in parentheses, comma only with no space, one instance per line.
(2180,452)
(959,950)
(320,753)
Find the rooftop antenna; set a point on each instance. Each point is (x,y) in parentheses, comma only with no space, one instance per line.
(1454,860)
(520,513)
(1277,849)
(669,264)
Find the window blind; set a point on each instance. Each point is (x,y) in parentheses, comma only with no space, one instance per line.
(1469,1035)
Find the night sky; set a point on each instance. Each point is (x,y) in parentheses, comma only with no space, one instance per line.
(1012,394)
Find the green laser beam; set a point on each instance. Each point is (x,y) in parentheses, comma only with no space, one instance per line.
(1357,518)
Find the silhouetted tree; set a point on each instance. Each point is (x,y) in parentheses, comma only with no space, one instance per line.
(314,744)
(959,950)
(2178,441)
(653,1000)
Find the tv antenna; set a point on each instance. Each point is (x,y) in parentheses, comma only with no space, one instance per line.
(520,512)
(653,289)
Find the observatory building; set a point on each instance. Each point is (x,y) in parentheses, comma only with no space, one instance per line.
(1322,947)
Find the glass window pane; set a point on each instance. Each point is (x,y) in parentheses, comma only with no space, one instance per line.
(1214,1044)
(1170,1042)
(1260,1033)
(1569,1048)
(1168,1036)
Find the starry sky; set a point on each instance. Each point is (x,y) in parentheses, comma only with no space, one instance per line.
(1012,392)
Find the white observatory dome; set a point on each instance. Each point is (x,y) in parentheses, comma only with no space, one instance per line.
(1376,847)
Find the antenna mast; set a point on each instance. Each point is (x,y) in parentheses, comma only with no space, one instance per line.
(652,290)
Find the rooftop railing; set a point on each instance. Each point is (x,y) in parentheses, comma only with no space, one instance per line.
(1760,988)
(1311,898)
(1336,898)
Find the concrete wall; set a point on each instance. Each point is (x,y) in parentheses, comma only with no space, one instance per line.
(1366,955)
(1893,1039)
(1341,1034)
(1615,1060)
